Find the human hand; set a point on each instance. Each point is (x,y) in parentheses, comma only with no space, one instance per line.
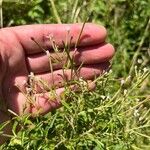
(19,56)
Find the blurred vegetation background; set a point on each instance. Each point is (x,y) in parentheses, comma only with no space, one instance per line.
(128,25)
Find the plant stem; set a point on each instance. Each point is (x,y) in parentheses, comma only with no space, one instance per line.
(74,10)
(79,36)
(55,12)
(139,48)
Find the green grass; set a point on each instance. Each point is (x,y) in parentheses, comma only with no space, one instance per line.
(116,115)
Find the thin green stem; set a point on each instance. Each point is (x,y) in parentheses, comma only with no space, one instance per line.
(140,134)
(55,12)
(139,47)
(79,36)
(74,10)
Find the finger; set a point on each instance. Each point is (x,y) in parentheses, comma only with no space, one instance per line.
(46,81)
(39,63)
(92,34)
(46,102)
(39,103)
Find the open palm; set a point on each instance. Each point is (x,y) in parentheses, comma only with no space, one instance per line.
(20,56)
